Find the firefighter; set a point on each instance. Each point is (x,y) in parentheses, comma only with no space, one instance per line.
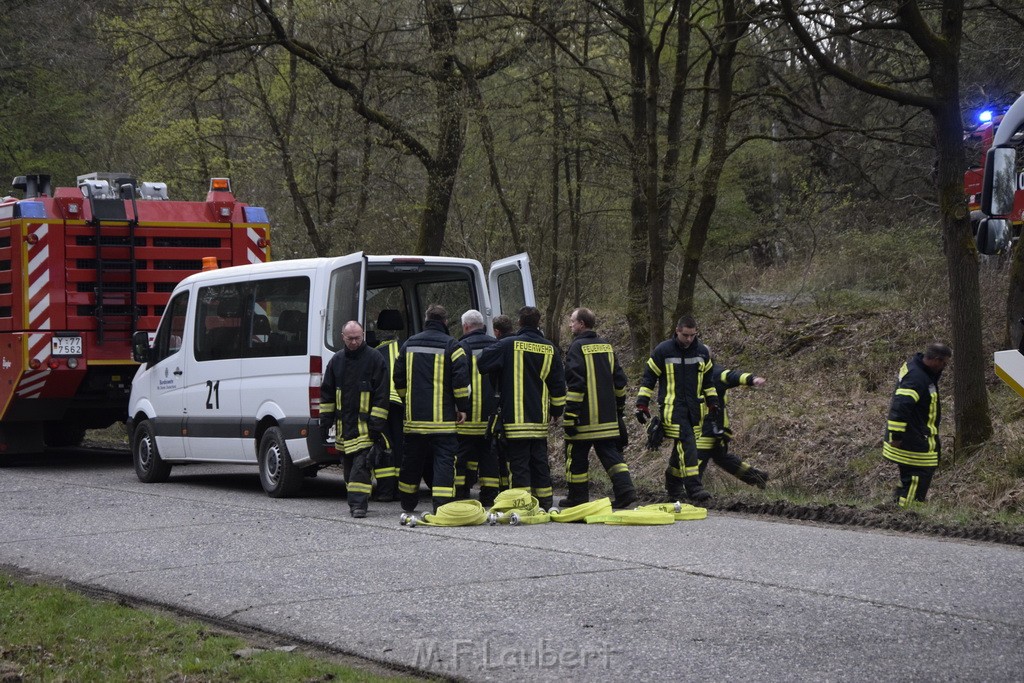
(714,435)
(354,400)
(503,327)
(475,457)
(681,367)
(532,392)
(594,401)
(432,377)
(912,435)
(386,470)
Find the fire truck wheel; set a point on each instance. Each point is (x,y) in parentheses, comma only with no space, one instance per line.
(278,475)
(149,466)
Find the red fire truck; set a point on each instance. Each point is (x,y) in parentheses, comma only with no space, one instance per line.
(82,269)
(978,141)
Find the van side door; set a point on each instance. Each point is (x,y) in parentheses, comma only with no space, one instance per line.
(511,285)
(213,366)
(165,371)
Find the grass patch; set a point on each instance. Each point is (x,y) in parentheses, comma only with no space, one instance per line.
(53,634)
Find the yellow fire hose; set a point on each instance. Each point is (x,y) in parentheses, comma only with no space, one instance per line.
(633,518)
(456,513)
(515,507)
(682,511)
(578,513)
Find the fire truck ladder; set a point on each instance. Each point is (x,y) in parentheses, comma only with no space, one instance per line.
(108,212)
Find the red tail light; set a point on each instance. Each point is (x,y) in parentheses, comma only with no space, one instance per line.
(316,365)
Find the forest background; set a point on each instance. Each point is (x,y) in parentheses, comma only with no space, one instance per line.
(790,171)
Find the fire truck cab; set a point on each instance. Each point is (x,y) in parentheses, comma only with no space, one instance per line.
(81,270)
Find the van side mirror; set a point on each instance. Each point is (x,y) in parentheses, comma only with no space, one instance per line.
(993,235)
(140,346)
(1000,181)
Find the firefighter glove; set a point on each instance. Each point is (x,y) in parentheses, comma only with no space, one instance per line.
(643,414)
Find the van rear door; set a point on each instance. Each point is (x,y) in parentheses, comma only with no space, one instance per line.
(511,285)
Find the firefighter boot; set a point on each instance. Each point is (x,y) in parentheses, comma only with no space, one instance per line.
(487,495)
(674,487)
(755,477)
(578,494)
(623,490)
(695,491)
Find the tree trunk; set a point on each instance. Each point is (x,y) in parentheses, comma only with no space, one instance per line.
(973,423)
(638,292)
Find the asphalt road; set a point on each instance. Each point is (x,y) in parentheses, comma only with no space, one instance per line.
(726,598)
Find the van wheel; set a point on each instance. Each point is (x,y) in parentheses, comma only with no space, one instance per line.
(149,466)
(279,477)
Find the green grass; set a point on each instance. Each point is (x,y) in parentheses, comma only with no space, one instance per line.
(52,634)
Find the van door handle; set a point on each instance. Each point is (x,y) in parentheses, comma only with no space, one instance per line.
(177,371)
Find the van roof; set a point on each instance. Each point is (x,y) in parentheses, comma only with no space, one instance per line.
(319,262)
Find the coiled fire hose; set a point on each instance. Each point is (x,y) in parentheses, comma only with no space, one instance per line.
(681,511)
(578,513)
(456,513)
(515,507)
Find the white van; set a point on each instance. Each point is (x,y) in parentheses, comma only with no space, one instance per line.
(233,371)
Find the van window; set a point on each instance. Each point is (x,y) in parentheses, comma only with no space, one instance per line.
(219,322)
(510,293)
(278,321)
(455,295)
(385,315)
(342,302)
(172,328)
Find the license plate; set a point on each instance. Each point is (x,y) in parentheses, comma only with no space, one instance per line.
(65,346)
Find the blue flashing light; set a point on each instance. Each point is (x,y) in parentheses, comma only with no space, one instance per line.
(985,116)
(29,209)
(255,214)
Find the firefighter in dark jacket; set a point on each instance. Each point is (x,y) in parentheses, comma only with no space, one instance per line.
(532,393)
(475,458)
(681,367)
(912,434)
(386,471)
(594,400)
(354,400)
(432,377)
(715,433)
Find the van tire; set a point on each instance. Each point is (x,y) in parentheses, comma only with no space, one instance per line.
(149,466)
(278,475)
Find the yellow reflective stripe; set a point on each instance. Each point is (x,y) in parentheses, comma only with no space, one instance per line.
(692,471)
(385,472)
(489,482)
(654,367)
(619,393)
(327,407)
(903,391)
(669,383)
(377,411)
(574,396)
(645,392)
(745,378)
(443,492)
(472,429)
(408,488)
(356,487)
(472,465)
(545,492)
(460,480)
(545,370)
(591,384)
(618,467)
(356,444)
(461,392)
(438,413)
(890,452)
(458,353)
(578,478)
(517,383)
(933,427)
(556,400)
(476,391)
(675,472)
(895,426)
